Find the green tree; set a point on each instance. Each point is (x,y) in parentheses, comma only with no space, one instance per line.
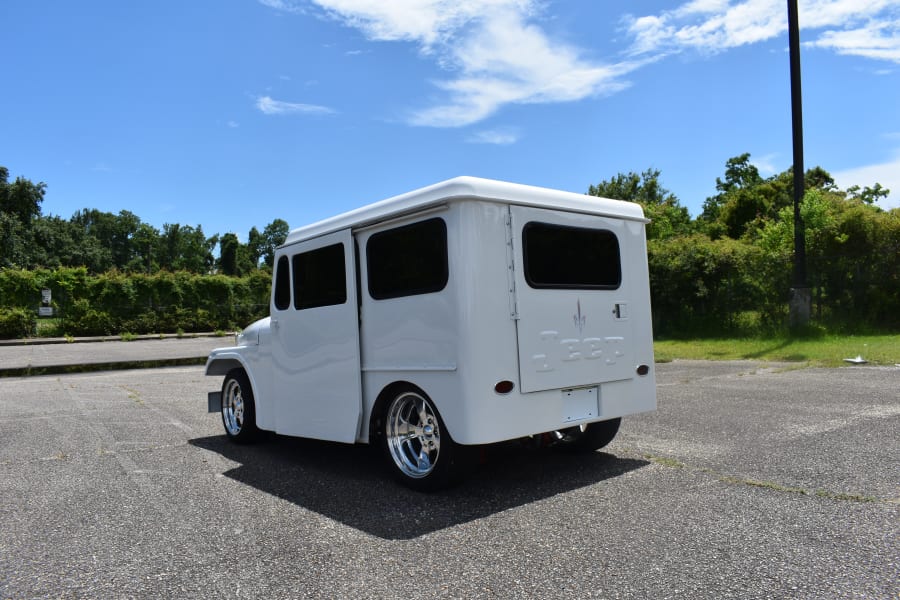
(186,248)
(21,198)
(740,173)
(867,195)
(145,244)
(13,241)
(198,251)
(20,205)
(255,246)
(667,217)
(274,235)
(229,250)
(746,201)
(114,232)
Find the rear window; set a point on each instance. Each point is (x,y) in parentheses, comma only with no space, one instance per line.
(319,277)
(408,260)
(558,256)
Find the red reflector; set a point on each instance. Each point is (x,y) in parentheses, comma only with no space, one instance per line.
(504,387)
(643,370)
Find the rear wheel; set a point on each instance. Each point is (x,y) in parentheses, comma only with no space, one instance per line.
(416,445)
(588,437)
(238,408)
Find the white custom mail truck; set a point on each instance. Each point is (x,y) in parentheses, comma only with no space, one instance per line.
(468,312)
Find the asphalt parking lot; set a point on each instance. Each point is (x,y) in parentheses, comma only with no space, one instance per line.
(750,481)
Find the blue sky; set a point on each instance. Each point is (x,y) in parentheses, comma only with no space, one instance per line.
(229,114)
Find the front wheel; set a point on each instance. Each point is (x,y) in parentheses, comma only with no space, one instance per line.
(238,408)
(416,445)
(589,437)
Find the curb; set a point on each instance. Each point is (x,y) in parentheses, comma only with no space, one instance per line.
(108,338)
(31,371)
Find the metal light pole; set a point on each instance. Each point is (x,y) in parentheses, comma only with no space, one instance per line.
(801,299)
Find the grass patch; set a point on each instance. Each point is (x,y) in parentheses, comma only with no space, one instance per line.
(848,497)
(665,461)
(825,350)
(769,485)
(49,327)
(134,395)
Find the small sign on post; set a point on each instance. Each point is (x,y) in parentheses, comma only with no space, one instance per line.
(45,309)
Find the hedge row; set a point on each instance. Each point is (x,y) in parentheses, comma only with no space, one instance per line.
(114,302)
(698,287)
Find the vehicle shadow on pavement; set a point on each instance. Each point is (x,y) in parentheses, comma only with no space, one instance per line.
(350,484)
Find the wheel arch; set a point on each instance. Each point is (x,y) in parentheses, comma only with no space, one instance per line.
(379,408)
(223,364)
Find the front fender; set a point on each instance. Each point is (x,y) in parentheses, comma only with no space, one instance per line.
(223,360)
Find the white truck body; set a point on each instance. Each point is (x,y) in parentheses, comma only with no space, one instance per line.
(517,310)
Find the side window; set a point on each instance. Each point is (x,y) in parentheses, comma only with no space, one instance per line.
(319,277)
(408,260)
(557,256)
(282,284)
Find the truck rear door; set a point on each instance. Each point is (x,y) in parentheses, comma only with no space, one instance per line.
(572,297)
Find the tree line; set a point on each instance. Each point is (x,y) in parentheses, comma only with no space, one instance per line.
(103,241)
(729,269)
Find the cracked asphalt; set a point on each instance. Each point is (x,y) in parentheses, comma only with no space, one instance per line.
(752,480)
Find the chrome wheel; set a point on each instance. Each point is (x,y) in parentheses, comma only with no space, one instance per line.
(413,435)
(233,407)
(238,409)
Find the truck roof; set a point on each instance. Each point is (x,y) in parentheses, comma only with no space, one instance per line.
(468,188)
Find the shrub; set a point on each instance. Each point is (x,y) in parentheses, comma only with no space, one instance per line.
(82,319)
(16,323)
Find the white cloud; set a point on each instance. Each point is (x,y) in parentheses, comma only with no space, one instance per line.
(496,53)
(284,5)
(874,40)
(866,28)
(766,163)
(268,106)
(887,174)
(500,55)
(829,13)
(498,137)
(428,22)
(708,26)
(233,124)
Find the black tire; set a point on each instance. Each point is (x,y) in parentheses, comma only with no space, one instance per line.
(416,446)
(238,408)
(588,438)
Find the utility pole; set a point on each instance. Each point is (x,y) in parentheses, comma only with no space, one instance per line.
(801,299)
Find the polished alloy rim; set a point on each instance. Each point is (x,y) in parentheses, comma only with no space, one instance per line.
(413,435)
(233,407)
